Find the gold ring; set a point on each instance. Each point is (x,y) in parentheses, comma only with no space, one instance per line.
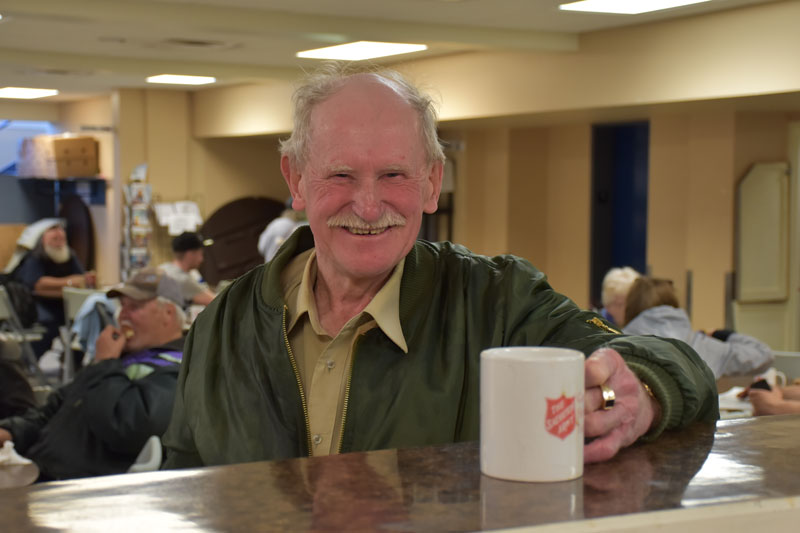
(608,397)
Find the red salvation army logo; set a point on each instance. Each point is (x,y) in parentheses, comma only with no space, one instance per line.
(560,417)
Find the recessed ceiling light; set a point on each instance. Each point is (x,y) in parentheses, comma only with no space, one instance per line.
(26,93)
(361,50)
(626,7)
(177,79)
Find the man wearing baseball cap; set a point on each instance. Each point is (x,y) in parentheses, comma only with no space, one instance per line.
(97,424)
(188,255)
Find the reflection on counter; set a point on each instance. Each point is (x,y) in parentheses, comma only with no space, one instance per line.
(433,488)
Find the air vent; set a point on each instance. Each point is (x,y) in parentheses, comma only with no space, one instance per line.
(197,44)
(57,72)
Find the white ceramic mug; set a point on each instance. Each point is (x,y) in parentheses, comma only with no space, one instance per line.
(773,376)
(532,413)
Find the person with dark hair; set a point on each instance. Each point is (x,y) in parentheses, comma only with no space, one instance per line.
(97,424)
(188,255)
(652,308)
(358,336)
(46,270)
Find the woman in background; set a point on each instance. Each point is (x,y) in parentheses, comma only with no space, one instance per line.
(652,308)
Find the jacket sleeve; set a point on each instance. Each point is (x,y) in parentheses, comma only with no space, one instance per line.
(124,412)
(178,441)
(739,354)
(25,428)
(681,382)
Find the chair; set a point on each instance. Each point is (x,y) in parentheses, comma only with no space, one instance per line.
(11,321)
(149,459)
(73,300)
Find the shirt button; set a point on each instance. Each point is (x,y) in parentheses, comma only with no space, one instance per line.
(317,439)
(330,364)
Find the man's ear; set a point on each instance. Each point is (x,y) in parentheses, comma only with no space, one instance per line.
(434,188)
(293,178)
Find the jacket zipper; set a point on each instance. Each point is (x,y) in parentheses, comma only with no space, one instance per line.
(299,383)
(346,401)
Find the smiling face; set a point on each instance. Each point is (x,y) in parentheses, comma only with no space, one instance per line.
(366,181)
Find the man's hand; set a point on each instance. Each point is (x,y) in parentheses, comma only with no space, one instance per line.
(90,279)
(633,413)
(4,436)
(109,344)
(772,402)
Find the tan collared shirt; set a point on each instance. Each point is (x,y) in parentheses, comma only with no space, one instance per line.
(324,361)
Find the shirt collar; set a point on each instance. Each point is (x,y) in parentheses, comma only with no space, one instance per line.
(384,307)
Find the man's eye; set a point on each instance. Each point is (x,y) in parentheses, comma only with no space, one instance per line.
(393,174)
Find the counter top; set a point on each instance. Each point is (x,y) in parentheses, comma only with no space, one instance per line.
(433,488)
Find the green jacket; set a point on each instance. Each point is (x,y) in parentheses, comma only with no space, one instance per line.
(239,397)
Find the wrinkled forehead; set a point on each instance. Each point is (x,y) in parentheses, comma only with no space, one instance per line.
(368,119)
(365,102)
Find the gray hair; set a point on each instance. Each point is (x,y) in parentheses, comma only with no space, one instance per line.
(332,76)
(180,315)
(617,281)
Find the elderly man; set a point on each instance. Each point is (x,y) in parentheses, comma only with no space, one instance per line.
(46,270)
(187,251)
(356,336)
(97,424)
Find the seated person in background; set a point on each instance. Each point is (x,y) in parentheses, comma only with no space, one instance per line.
(278,230)
(187,250)
(652,309)
(46,270)
(616,284)
(356,336)
(777,401)
(97,424)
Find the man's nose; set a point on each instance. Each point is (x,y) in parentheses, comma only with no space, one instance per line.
(367,200)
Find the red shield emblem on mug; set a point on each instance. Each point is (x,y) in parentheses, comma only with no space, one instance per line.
(560,417)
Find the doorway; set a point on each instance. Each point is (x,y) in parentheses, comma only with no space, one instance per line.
(619,200)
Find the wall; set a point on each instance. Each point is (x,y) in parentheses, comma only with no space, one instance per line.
(227,169)
(526,191)
(738,52)
(94,117)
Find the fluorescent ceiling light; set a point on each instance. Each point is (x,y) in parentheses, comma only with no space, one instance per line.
(361,50)
(626,7)
(26,93)
(177,79)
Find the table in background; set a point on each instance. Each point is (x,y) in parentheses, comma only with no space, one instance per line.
(439,488)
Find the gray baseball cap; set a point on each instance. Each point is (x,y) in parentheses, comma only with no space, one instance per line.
(148,283)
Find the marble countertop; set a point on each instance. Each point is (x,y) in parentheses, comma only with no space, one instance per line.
(422,489)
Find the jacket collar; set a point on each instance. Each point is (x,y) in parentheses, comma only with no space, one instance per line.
(417,272)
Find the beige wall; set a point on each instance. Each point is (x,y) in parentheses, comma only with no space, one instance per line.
(569,211)
(731,53)
(21,110)
(526,191)
(227,169)
(155,127)
(734,53)
(527,196)
(94,116)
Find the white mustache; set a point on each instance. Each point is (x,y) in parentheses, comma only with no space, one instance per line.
(354,221)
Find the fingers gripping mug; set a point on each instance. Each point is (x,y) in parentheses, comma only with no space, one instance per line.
(532,413)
